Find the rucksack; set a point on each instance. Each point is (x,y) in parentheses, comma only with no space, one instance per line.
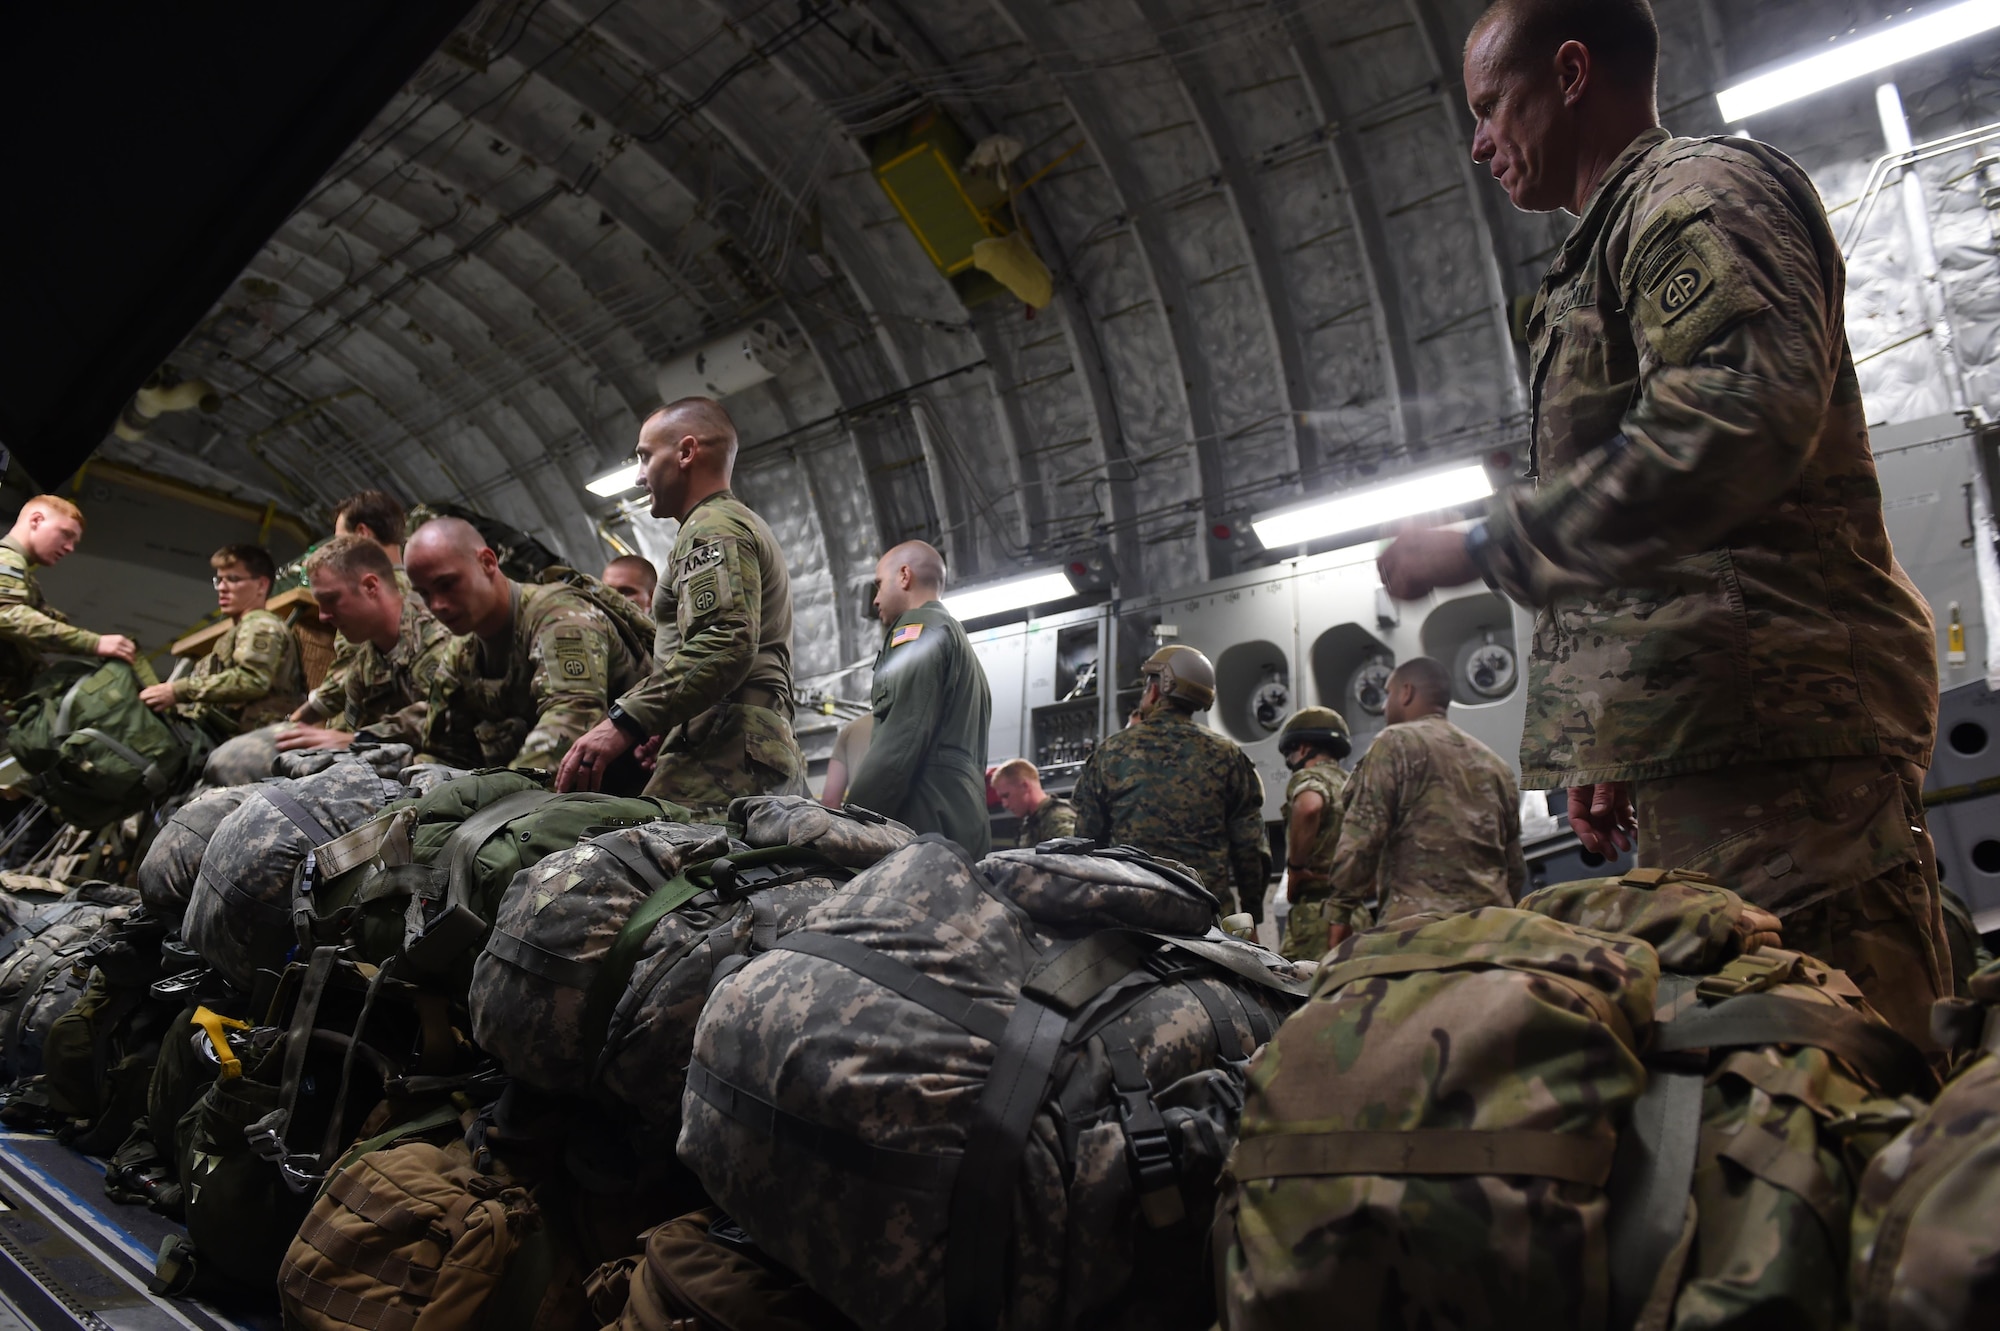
(987,1095)
(702,1272)
(635,627)
(38,982)
(1926,1226)
(96,752)
(851,837)
(1511,1118)
(261,858)
(167,872)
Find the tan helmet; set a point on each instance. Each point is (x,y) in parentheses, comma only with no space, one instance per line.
(1321,726)
(1184,674)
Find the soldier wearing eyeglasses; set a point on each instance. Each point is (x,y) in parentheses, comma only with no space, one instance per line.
(253,675)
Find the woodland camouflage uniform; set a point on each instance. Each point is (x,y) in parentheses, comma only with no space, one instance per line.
(1179,791)
(1431,823)
(252,675)
(387,693)
(521,698)
(1706,550)
(29,627)
(721,687)
(1310,887)
(1053,817)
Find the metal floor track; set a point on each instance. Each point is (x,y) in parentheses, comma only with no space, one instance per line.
(73,1260)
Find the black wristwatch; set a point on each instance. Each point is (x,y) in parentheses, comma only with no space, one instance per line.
(628,723)
(1478,542)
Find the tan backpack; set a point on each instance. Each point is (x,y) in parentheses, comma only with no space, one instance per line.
(414,1238)
(702,1273)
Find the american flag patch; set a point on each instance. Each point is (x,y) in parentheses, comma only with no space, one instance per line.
(907,633)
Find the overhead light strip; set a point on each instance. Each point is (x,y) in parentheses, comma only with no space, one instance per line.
(997,598)
(1857,56)
(614,483)
(1366,510)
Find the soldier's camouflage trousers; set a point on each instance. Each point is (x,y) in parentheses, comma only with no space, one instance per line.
(729,751)
(1306,925)
(1837,848)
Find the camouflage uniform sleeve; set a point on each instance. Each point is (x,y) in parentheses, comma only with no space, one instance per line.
(1733,318)
(571,660)
(410,724)
(1367,815)
(718,605)
(329,700)
(1249,852)
(1093,819)
(1061,820)
(24,623)
(255,654)
(448,735)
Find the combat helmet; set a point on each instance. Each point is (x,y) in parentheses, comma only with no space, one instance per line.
(1184,674)
(1316,725)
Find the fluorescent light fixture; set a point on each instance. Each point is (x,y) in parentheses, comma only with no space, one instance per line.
(1860,54)
(996,598)
(1360,510)
(613,483)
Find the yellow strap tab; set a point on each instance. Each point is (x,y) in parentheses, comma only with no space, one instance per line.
(215,1024)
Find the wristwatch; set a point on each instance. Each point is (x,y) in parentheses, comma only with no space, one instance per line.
(1478,544)
(628,723)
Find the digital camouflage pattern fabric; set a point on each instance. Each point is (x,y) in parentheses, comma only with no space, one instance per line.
(721,686)
(1705,547)
(29,627)
(1926,1227)
(252,675)
(1834,847)
(877,1092)
(386,694)
(522,698)
(1053,817)
(1311,886)
(1431,821)
(926,763)
(1178,790)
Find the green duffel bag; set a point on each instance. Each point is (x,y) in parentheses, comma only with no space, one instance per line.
(96,752)
(422,881)
(99,1056)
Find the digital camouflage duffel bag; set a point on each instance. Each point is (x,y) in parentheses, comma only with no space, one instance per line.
(1927,1223)
(987,1095)
(167,872)
(1512,1118)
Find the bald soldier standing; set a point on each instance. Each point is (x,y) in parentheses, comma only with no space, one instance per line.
(926,763)
(720,693)
(535,664)
(1727,658)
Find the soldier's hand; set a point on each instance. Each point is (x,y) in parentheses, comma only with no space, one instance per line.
(1760,929)
(583,767)
(118,645)
(1336,934)
(1602,818)
(647,755)
(1422,559)
(296,737)
(159,697)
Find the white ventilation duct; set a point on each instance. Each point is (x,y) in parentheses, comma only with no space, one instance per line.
(728,364)
(156,399)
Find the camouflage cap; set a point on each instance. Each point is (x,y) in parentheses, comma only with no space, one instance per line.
(1183,673)
(1316,725)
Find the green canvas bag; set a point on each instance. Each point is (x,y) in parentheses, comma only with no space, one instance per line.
(96,752)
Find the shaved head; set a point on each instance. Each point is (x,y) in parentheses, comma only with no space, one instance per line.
(459,577)
(686,452)
(905,578)
(702,417)
(1419,687)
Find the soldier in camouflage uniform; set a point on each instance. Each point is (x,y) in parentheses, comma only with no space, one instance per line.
(1312,742)
(1176,789)
(252,675)
(926,763)
(1431,821)
(720,694)
(374,516)
(1723,636)
(399,648)
(1044,817)
(534,667)
(44,533)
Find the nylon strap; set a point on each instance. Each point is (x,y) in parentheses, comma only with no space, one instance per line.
(1773,1159)
(392,1269)
(981,1019)
(330,1145)
(918,1171)
(1234,960)
(67,704)
(535,959)
(263,909)
(393,1214)
(1148,1152)
(1425,1152)
(460,852)
(149,772)
(300,816)
(298,1039)
(981,1224)
(343,1306)
(1653,1175)
(1875,1050)
(1085,969)
(1227,1042)
(361,845)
